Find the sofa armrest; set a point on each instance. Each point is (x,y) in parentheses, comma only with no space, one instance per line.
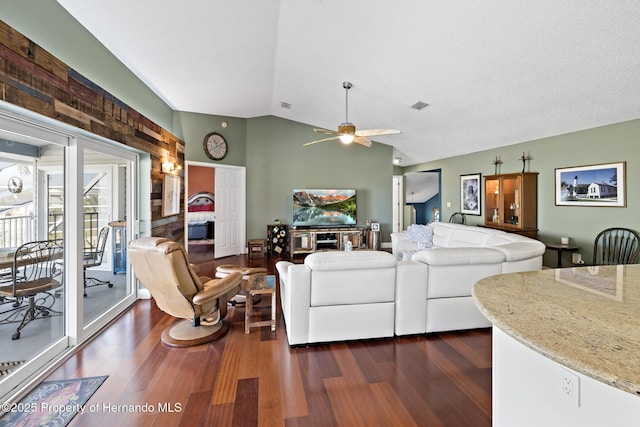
(411,297)
(216,288)
(458,256)
(297,302)
(400,244)
(519,251)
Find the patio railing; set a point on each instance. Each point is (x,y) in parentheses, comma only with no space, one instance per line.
(15,230)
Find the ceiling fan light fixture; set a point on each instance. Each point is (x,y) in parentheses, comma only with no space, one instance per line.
(347,132)
(347,138)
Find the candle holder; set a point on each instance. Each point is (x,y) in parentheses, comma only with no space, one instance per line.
(496,165)
(524,159)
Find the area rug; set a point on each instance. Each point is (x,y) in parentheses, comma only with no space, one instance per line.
(52,403)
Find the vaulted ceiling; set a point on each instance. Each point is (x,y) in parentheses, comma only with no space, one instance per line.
(494,73)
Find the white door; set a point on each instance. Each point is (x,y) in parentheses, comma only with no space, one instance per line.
(230,211)
(398,203)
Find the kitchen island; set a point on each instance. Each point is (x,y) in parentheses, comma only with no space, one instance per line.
(566,345)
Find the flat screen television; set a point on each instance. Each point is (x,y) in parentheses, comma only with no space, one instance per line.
(324,208)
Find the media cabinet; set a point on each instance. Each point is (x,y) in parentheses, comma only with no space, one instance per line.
(309,240)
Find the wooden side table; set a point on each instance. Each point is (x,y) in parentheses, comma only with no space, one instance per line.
(256,248)
(260,285)
(559,248)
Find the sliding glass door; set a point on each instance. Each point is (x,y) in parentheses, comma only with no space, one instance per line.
(105,212)
(68,202)
(33,319)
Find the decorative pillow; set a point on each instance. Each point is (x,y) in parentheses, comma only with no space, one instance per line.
(421,234)
(202,208)
(406,255)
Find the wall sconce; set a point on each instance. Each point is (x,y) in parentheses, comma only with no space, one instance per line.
(397,160)
(169,167)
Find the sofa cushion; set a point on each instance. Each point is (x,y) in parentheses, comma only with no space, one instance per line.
(502,238)
(352,260)
(458,235)
(446,281)
(459,256)
(519,251)
(355,277)
(344,287)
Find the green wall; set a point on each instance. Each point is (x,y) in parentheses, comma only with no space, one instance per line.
(277,162)
(612,143)
(272,151)
(194,127)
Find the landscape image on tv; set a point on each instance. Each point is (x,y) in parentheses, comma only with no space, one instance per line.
(315,208)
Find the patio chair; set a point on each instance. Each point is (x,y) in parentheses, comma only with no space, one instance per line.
(34,272)
(93,258)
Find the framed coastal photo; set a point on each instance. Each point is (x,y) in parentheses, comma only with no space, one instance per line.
(595,185)
(170,195)
(470,194)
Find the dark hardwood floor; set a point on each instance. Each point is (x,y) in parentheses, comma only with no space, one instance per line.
(257,379)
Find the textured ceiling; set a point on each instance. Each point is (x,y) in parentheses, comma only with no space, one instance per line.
(494,72)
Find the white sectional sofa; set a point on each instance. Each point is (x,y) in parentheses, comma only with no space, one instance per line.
(461,255)
(338,296)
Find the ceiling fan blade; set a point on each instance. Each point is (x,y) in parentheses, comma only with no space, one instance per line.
(328,132)
(362,140)
(377,132)
(322,140)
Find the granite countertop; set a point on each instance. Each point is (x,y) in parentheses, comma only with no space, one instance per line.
(586,318)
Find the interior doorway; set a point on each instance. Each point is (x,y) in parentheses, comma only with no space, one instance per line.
(215,217)
(423,203)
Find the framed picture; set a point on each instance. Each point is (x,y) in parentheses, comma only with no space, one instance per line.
(170,195)
(375,226)
(595,185)
(470,194)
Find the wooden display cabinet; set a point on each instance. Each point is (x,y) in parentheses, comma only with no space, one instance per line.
(511,203)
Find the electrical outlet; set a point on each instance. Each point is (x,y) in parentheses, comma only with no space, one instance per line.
(576,258)
(571,387)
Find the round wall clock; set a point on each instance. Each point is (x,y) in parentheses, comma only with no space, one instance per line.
(15,185)
(215,146)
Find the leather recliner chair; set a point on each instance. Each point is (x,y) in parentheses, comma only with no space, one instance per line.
(162,266)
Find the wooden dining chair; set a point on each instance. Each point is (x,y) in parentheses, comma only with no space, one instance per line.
(457,218)
(34,272)
(616,246)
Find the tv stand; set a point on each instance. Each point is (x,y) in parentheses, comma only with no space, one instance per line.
(309,240)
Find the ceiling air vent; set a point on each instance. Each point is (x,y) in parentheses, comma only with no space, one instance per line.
(419,105)
(285,105)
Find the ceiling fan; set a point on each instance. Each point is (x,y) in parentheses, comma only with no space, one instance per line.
(347,132)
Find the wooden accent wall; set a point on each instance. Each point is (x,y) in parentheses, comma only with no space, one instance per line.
(32,78)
